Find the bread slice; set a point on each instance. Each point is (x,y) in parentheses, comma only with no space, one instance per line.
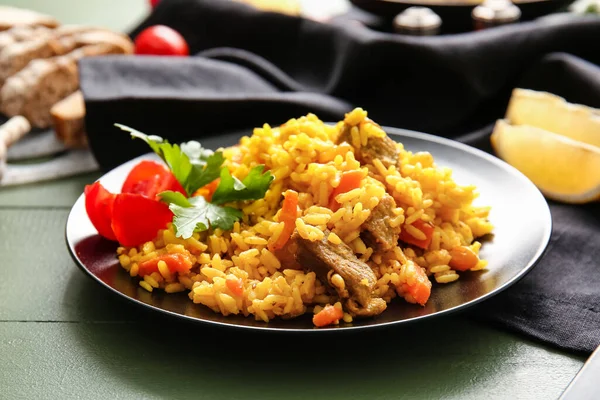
(13,16)
(62,40)
(16,56)
(22,33)
(32,91)
(36,88)
(94,36)
(68,120)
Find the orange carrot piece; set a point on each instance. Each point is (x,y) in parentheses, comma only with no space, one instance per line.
(288,213)
(236,285)
(207,191)
(175,262)
(463,258)
(421,289)
(425,227)
(327,316)
(350,180)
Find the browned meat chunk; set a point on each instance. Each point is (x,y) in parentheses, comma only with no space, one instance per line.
(375,307)
(382,148)
(377,232)
(359,279)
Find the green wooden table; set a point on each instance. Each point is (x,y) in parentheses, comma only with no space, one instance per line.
(62,336)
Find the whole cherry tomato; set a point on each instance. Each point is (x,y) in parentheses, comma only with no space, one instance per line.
(154,3)
(162,41)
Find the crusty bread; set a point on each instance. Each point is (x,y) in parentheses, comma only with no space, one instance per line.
(13,16)
(62,40)
(94,36)
(22,33)
(16,56)
(33,90)
(42,83)
(68,120)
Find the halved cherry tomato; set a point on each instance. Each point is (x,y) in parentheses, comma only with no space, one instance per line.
(350,180)
(288,213)
(176,262)
(236,286)
(99,206)
(137,219)
(327,316)
(149,178)
(161,40)
(425,227)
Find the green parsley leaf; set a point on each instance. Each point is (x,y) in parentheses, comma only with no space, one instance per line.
(177,198)
(253,187)
(178,162)
(203,175)
(193,166)
(198,214)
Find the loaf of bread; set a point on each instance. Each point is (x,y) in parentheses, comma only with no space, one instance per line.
(33,90)
(36,88)
(68,117)
(16,56)
(22,33)
(13,16)
(94,36)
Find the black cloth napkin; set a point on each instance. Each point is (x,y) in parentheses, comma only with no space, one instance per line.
(251,67)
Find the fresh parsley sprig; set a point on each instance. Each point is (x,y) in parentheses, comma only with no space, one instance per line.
(196,214)
(195,167)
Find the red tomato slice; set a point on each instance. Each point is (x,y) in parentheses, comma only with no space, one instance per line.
(99,207)
(137,219)
(161,40)
(149,178)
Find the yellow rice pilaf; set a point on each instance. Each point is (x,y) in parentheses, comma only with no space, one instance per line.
(303,156)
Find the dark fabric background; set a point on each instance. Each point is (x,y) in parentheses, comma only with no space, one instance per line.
(253,67)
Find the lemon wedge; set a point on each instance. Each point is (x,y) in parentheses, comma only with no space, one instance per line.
(552,113)
(290,7)
(564,169)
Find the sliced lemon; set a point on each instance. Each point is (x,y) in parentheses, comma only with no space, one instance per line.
(290,7)
(552,113)
(562,168)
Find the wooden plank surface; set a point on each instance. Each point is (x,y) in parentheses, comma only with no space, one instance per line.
(451,359)
(60,193)
(64,335)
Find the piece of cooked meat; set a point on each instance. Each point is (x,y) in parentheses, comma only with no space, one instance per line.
(377,232)
(375,307)
(382,148)
(322,256)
